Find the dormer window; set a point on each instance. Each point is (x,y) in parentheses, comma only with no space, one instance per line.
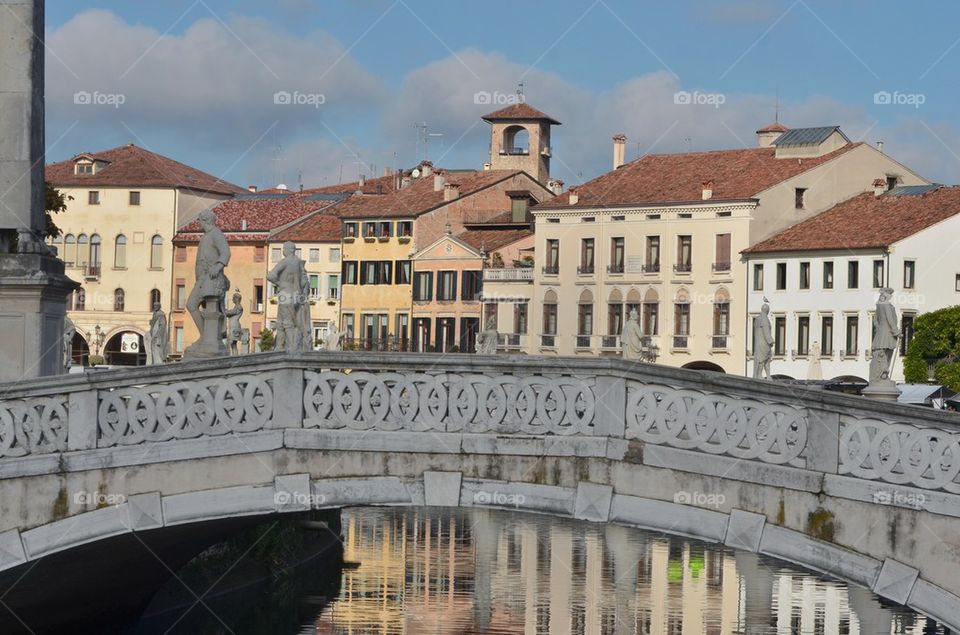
(799,197)
(891,182)
(84,168)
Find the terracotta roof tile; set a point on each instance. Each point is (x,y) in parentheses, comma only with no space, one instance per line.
(518,112)
(491,239)
(866,221)
(261,214)
(321,227)
(774,127)
(132,166)
(679,178)
(378,185)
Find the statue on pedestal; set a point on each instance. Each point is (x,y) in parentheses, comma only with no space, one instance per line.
(762,343)
(487,339)
(334,341)
(631,338)
(158,345)
(69,330)
(206,300)
(234,329)
(886,335)
(293,298)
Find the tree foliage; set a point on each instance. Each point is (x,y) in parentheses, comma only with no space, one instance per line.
(56,202)
(267,340)
(936,339)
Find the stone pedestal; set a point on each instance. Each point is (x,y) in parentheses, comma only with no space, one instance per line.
(210,343)
(882,390)
(33,294)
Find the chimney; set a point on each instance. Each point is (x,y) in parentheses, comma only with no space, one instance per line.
(879,186)
(555,186)
(243,224)
(880,147)
(707,192)
(574,196)
(426,169)
(252,188)
(768,134)
(487,166)
(386,171)
(404,181)
(438,181)
(619,150)
(362,180)
(451,191)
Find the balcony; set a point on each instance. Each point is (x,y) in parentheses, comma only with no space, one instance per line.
(615,268)
(511,341)
(718,342)
(256,307)
(585,270)
(548,341)
(583,341)
(651,268)
(551,270)
(680,341)
(610,342)
(91,271)
(682,267)
(516,274)
(720,266)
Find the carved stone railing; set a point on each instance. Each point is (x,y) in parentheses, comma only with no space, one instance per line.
(900,454)
(33,426)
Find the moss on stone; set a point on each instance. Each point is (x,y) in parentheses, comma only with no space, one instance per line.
(820,524)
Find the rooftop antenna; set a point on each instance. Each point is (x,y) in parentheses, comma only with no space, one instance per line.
(776,108)
(520,90)
(423,135)
(300,179)
(277,158)
(689,142)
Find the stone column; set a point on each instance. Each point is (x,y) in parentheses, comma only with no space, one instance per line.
(33,287)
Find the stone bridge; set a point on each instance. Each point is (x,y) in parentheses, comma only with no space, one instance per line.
(863,491)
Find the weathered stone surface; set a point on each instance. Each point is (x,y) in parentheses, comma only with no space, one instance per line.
(144,511)
(895,581)
(932,600)
(669,517)
(793,546)
(442,489)
(219,503)
(75,531)
(293,493)
(378,490)
(518,496)
(593,501)
(11,550)
(744,530)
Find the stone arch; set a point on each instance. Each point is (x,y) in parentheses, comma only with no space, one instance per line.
(616,297)
(516,140)
(633,296)
(721,295)
(682,296)
(651,295)
(550,296)
(704,365)
(586,297)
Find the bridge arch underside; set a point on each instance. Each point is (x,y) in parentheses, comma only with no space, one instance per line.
(771,510)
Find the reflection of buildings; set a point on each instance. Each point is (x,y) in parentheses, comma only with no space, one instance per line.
(432,571)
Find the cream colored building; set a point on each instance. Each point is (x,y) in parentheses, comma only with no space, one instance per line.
(123,208)
(663,235)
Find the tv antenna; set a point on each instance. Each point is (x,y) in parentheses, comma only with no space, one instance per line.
(423,136)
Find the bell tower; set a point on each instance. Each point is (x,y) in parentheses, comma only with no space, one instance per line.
(520,140)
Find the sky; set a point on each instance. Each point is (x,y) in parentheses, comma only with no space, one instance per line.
(320,91)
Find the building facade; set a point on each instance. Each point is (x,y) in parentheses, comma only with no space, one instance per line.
(123,208)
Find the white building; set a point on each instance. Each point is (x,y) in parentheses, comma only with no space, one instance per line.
(822,277)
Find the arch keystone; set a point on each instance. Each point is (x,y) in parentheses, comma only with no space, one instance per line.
(895,581)
(442,489)
(11,550)
(293,493)
(144,511)
(592,502)
(744,530)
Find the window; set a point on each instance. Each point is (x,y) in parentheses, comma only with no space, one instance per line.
(423,286)
(518,208)
(446,286)
(369,272)
(333,286)
(384,271)
(349,230)
(804,275)
(681,321)
(826,335)
(69,250)
(93,197)
(519,318)
(120,252)
(276,254)
(349,271)
(180,253)
(83,250)
(178,338)
(348,329)
(553,256)
(828,275)
(314,286)
(404,228)
(95,250)
(722,261)
(616,255)
(853,274)
(134,198)
(314,254)
(779,335)
(549,318)
(906,330)
(154,298)
(369,229)
(803,335)
(334,254)
(181,296)
(651,317)
(584,324)
(721,318)
(402,272)
(119,299)
(156,252)
(799,194)
(781,276)
(956,282)
(471,286)
(758,277)
(588,219)
(80,300)
(909,274)
(401,330)
(586,256)
(892,182)
(84,168)
(653,254)
(853,334)
(490,312)
(614,318)
(384,229)
(684,253)
(877,274)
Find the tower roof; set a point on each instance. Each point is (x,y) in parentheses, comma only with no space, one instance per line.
(774,127)
(519,112)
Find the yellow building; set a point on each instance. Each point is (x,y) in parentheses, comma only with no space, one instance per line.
(663,235)
(123,209)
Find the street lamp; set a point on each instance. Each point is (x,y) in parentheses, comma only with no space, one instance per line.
(96,338)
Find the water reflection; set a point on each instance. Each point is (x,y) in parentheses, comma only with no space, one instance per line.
(433,571)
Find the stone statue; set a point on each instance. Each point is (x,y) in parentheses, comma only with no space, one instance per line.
(159,337)
(69,330)
(234,329)
(886,334)
(814,371)
(334,340)
(762,343)
(293,297)
(213,255)
(488,338)
(631,338)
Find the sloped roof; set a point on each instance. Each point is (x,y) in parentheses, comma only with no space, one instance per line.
(866,221)
(679,178)
(807,136)
(262,214)
(492,239)
(776,126)
(132,166)
(322,226)
(377,185)
(521,111)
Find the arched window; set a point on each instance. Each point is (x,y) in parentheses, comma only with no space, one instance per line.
(95,250)
(119,298)
(584,319)
(651,312)
(120,252)
(549,319)
(80,300)
(721,318)
(156,252)
(681,319)
(516,140)
(83,250)
(69,249)
(615,313)
(154,297)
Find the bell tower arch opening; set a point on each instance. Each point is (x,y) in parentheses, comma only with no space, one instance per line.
(520,140)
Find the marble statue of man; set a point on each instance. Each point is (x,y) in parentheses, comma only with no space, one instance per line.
(293,295)
(334,339)
(234,329)
(886,333)
(631,338)
(762,343)
(213,255)
(159,336)
(69,330)
(487,339)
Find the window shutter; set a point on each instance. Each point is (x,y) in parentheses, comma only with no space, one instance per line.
(416,287)
(429,280)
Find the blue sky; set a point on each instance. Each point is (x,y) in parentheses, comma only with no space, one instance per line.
(196,79)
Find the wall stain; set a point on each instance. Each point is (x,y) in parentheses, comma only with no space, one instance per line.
(820,524)
(60,502)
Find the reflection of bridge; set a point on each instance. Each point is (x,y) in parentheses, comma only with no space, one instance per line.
(863,491)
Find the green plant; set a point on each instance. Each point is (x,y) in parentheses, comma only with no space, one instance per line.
(95,360)
(936,340)
(56,202)
(267,340)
